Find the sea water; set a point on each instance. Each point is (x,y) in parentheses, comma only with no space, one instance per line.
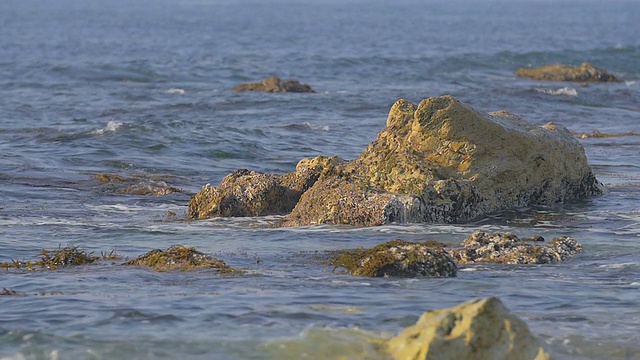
(143,89)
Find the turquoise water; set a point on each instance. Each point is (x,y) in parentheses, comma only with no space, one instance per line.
(143,88)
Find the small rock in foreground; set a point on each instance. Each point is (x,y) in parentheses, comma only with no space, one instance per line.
(478,329)
(507,248)
(179,257)
(398,258)
(275,85)
(558,72)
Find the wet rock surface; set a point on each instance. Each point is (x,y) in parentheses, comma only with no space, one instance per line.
(558,72)
(478,329)
(397,258)
(275,84)
(136,185)
(507,248)
(179,257)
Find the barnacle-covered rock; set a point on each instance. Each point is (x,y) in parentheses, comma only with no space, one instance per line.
(507,248)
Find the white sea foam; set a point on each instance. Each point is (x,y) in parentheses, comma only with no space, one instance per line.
(631,83)
(565,91)
(176,91)
(112,126)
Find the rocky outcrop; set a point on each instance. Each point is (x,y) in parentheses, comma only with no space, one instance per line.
(507,248)
(249,193)
(476,330)
(440,161)
(558,72)
(397,258)
(179,257)
(274,84)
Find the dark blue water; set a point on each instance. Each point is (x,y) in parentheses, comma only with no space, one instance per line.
(143,89)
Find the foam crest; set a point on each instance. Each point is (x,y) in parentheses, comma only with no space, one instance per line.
(565,91)
(112,126)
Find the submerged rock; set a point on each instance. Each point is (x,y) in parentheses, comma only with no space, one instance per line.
(61,257)
(136,185)
(507,248)
(558,72)
(441,161)
(397,258)
(476,330)
(249,193)
(179,257)
(274,84)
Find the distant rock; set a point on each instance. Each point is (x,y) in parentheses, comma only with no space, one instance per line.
(558,72)
(507,248)
(136,185)
(481,329)
(274,84)
(398,258)
(441,161)
(179,257)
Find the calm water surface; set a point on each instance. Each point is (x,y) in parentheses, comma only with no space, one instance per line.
(143,88)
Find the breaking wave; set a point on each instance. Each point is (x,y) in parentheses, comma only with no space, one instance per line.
(565,91)
(112,126)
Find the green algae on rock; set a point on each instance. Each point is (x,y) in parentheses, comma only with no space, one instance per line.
(249,193)
(179,257)
(397,258)
(274,84)
(558,72)
(507,248)
(480,329)
(62,257)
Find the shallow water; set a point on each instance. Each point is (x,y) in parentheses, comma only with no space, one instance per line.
(143,88)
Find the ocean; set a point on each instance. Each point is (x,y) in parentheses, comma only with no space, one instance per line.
(143,89)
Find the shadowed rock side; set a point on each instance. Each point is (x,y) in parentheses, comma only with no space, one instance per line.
(557,72)
(398,258)
(274,84)
(179,257)
(438,162)
(249,193)
(507,248)
(444,162)
(479,329)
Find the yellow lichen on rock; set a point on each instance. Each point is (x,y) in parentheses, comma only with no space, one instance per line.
(559,72)
(476,330)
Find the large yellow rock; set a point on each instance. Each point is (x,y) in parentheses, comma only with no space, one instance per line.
(442,161)
(476,330)
(559,72)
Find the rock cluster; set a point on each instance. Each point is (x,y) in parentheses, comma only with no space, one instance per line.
(558,72)
(479,329)
(274,84)
(507,248)
(398,258)
(440,161)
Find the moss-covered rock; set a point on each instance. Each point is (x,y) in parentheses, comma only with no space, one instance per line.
(558,72)
(274,84)
(179,257)
(249,193)
(481,329)
(397,258)
(507,248)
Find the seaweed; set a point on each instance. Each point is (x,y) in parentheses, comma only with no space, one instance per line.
(59,258)
(180,257)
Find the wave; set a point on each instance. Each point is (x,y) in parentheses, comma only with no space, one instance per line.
(176,91)
(112,126)
(565,91)
(307,127)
